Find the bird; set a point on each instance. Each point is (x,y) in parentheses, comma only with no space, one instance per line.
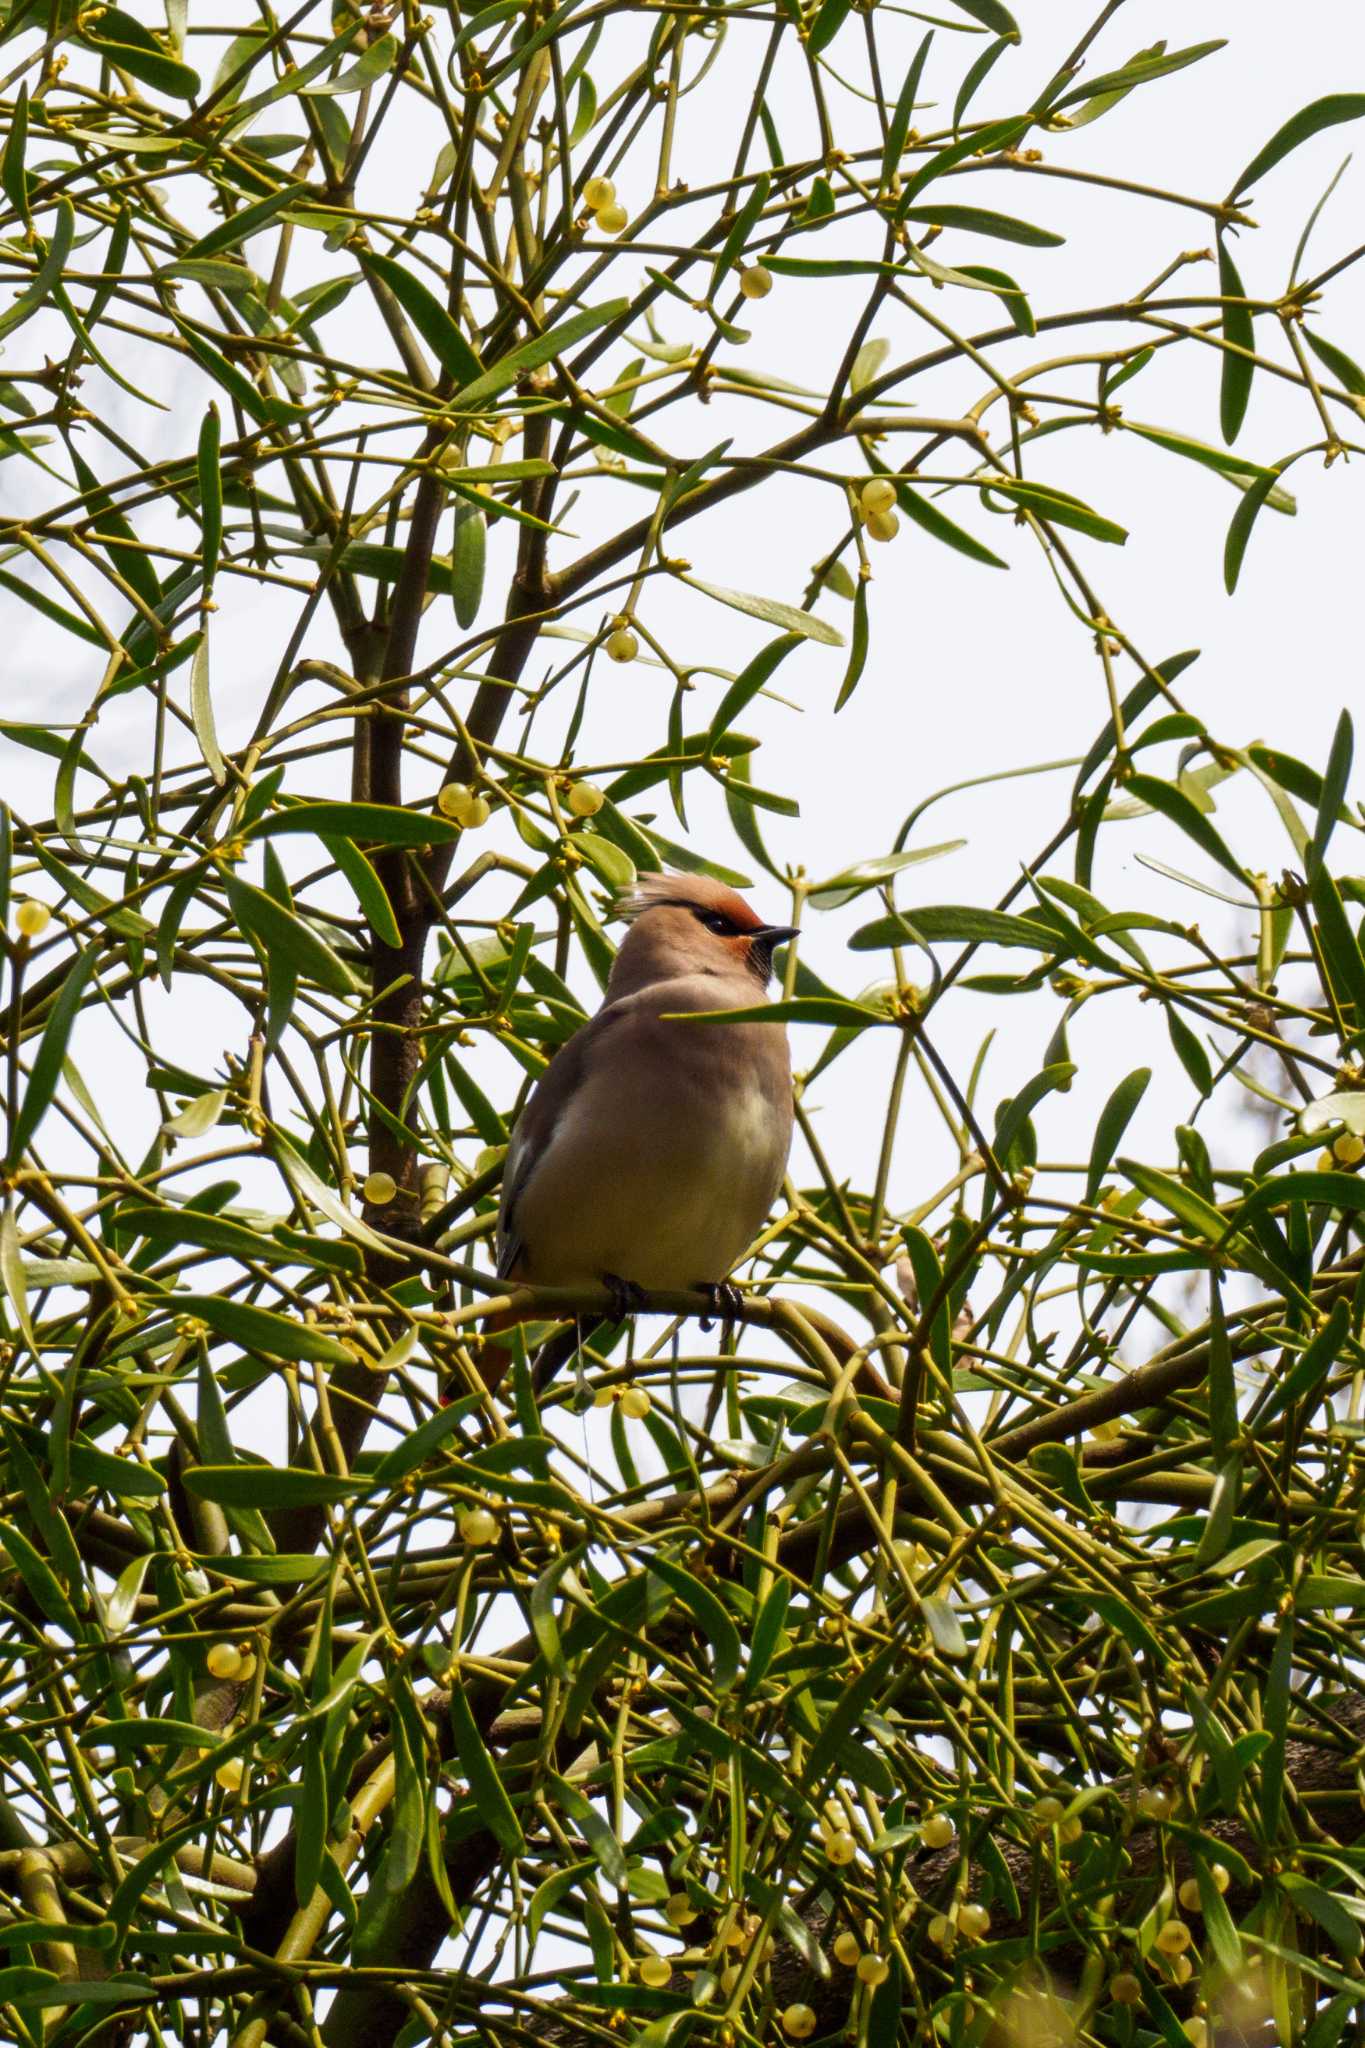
(650,1150)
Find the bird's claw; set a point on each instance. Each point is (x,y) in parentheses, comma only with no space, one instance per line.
(725,1299)
(626,1298)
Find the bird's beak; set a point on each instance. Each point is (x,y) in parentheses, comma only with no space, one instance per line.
(770,936)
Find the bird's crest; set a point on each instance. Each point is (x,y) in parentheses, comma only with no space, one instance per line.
(692,892)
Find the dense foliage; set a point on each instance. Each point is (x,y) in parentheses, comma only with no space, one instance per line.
(964,1646)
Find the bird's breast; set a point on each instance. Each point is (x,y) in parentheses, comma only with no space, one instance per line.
(665,1161)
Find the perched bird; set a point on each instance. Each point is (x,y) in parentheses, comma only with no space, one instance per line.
(649,1152)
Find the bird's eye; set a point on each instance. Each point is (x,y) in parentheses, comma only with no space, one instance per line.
(716,921)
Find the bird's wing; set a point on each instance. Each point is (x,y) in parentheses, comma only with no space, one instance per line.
(550,1098)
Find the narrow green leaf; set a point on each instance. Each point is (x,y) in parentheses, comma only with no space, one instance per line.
(748,684)
(596,1833)
(1348,372)
(278,929)
(486,1787)
(46,1071)
(262,1331)
(374,63)
(201,712)
(1137,73)
(1310,120)
(1114,1120)
(468,557)
(1173,804)
(1239,332)
(429,317)
(240,226)
(982,220)
(269,1486)
(210,501)
(1243,519)
(899,125)
(709,1614)
(956,924)
(366,824)
(1060,508)
(544,348)
(1334,787)
(931,517)
(857,656)
(804,624)
(13,177)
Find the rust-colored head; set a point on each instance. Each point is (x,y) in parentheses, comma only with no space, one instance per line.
(690,924)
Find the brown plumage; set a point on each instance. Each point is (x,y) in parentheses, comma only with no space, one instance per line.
(650,1151)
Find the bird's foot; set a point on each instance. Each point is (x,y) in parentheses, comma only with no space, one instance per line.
(725,1298)
(626,1298)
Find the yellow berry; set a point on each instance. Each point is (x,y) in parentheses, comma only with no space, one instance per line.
(476,812)
(798,2022)
(1153,1803)
(882,525)
(635,1402)
(974,1921)
(1188,1896)
(936,1831)
(1325,1162)
(1221,1875)
(877,495)
(1072,1829)
(1348,1149)
(452,799)
(230,1774)
(604,1397)
(941,1931)
(379,1188)
(655,1972)
(224,1660)
(755,281)
(1197,2031)
(611,219)
(841,1847)
(1125,1989)
(584,800)
(477,1528)
(1047,1812)
(31,918)
(1173,1937)
(729,1977)
(247,1668)
(846,1949)
(679,1910)
(622,645)
(597,193)
(873,1969)
(1181,1969)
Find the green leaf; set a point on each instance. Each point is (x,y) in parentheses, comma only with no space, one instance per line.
(981,142)
(374,63)
(429,317)
(248,221)
(933,520)
(46,1071)
(1060,508)
(992,15)
(210,496)
(1057,1076)
(544,348)
(1310,1369)
(201,712)
(595,1831)
(280,930)
(944,1627)
(468,556)
(1137,72)
(746,220)
(262,1331)
(1347,372)
(709,1614)
(40,1581)
(804,624)
(1341,1927)
(13,177)
(899,125)
(485,1786)
(370,824)
(269,1486)
(748,684)
(956,923)
(368,890)
(1183,1203)
(857,657)
(982,220)
(1173,803)
(1310,120)
(1114,1120)
(1243,519)
(1239,331)
(1334,788)
(1340,947)
(866,874)
(164,74)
